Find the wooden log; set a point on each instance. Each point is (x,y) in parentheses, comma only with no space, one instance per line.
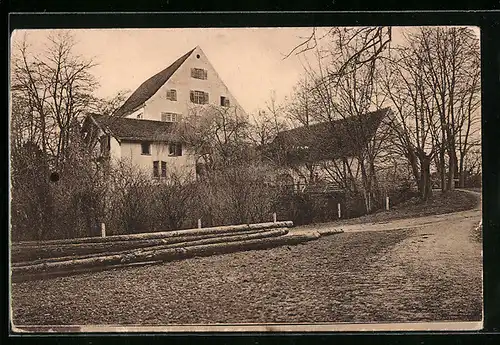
(162,234)
(158,255)
(20,253)
(202,241)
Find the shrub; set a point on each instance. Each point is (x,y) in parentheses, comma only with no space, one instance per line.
(236,195)
(402,193)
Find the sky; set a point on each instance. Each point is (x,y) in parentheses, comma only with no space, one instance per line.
(250,61)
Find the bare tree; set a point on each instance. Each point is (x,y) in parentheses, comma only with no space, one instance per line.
(56,88)
(433,82)
(51,91)
(301,106)
(415,117)
(451,67)
(107,106)
(217,135)
(375,41)
(468,115)
(344,85)
(265,127)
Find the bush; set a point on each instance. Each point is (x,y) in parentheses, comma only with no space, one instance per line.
(305,208)
(236,195)
(402,193)
(174,204)
(128,201)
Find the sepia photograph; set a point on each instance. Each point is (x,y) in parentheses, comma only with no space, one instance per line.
(245,179)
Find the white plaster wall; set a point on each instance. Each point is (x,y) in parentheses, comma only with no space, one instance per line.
(136,112)
(114,149)
(132,152)
(182,81)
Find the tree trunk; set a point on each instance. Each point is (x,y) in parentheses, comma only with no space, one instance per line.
(375,185)
(55,253)
(452,165)
(425,186)
(442,170)
(426,177)
(461,172)
(414,168)
(161,235)
(366,187)
(110,261)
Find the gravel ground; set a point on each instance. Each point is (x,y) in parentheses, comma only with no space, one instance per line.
(431,273)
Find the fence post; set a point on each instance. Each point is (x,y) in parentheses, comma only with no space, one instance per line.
(274,217)
(338,208)
(199,223)
(103,230)
(387,203)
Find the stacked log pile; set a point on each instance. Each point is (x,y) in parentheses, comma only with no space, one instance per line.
(31,260)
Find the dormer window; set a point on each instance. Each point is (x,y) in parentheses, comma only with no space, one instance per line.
(199,73)
(169,117)
(224,101)
(172,95)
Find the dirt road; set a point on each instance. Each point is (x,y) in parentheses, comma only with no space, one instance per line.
(431,272)
(473,215)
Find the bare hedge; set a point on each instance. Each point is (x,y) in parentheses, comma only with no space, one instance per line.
(128,201)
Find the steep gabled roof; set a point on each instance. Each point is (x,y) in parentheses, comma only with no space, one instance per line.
(150,87)
(330,140)
(123,128)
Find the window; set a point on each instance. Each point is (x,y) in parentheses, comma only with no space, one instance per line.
(155,169)
(139,116)
(169,117)
(224,101)
(146,148)
(199,97)
(199,73)
(163,169)
(172,95)
(175,149)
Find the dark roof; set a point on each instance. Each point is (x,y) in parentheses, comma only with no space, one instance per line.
(330,140)
(150,87)
(124,128)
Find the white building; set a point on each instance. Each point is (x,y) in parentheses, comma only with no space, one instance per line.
(143,130)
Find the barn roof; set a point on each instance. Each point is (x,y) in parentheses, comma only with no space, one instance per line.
(330,140)
(123,128)
(147,89)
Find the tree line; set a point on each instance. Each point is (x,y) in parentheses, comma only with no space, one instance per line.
(429,77)
(430,80)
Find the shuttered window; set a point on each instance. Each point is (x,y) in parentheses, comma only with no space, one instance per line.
(169,117)
(199,97)
(155,169)
(199,73)
(163,169)
(172,95)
